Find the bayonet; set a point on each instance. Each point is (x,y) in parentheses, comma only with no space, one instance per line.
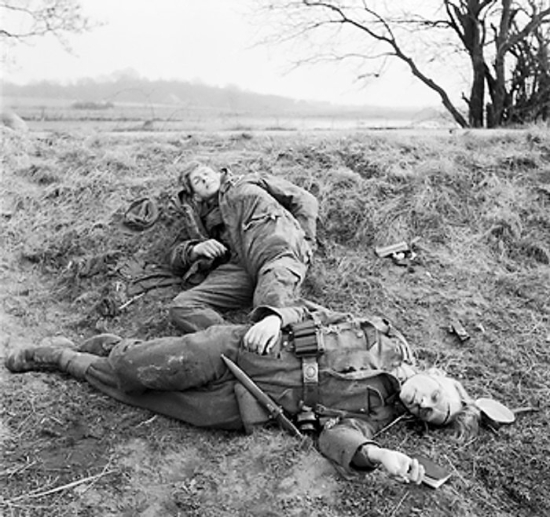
(263,398)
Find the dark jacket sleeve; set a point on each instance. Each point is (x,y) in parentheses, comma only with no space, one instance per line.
(288,315)
(190,213)
(179,257)
(340,442)
(299,202)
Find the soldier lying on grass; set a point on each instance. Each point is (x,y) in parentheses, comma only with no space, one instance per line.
(254,232)
(350,376)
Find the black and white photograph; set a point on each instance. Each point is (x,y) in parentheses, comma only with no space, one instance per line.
(274,258)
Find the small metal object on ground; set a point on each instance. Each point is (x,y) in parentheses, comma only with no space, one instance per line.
(401,253)
(456,327)
(392,249)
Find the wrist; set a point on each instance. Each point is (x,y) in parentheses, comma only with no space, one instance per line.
(372,453)
(366,457)
(193,254)
(273,316)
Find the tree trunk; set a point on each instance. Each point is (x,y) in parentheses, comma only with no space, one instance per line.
(465,20)
(501,39)
(477,91)
(473,36)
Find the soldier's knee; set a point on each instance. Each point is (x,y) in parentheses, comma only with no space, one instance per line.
(181,300)
(182,317)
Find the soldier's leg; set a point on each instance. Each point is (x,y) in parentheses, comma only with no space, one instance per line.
(176,363)
(212,406)
(279,283)
(163,375)
(227,287)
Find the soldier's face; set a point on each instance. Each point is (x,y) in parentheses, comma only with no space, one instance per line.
(205,182)
(432,398)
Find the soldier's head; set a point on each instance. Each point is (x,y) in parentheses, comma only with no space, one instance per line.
(200,180)
(437,399)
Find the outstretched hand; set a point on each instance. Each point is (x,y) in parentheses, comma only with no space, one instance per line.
(398,465)
(262,336)
(402,467)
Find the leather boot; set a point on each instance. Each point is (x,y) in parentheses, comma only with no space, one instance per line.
(32,357)
(37,358)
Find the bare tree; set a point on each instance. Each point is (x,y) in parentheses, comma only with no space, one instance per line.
(503,41)
(529,92)
(523,40)
(23,20)
(489,32)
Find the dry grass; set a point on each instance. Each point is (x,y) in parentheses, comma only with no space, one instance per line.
(478,205)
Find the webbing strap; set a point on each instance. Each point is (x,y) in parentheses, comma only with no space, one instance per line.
(307,347)
(310,376)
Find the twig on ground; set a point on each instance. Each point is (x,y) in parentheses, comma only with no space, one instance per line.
(148,421)
(519,410)
(17,470)
(390,425)
(60,488)
(398,505)
(130,301)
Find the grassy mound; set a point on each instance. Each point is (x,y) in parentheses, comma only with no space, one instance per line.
(476,207)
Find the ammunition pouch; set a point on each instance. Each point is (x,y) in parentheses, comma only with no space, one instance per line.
(308,345)
(306,339)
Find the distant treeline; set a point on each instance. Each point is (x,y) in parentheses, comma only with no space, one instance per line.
(190,95)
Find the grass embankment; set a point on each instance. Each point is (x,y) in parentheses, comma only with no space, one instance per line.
(478,205)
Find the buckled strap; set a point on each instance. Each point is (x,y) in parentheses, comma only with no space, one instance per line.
(308,346)
(310,376)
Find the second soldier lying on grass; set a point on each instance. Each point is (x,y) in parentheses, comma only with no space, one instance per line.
(252,237)
(348,376)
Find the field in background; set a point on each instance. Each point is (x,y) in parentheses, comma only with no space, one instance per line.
(477,206)
(43,114)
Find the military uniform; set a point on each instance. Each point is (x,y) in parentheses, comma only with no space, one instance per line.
(269,226)
(344,371)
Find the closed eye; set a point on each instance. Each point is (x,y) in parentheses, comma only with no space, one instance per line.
(436,395)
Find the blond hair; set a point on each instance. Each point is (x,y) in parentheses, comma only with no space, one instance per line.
(464,423)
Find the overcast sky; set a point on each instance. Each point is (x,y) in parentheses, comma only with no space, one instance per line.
(212,41)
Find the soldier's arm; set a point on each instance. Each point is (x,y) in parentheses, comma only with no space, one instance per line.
(288,315)
(344,443)
(299,202)
(179,258)
(350,446)
(185,252)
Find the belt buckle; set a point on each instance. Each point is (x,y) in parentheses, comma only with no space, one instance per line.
(310,370)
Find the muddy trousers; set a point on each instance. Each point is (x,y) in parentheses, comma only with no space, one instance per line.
(182,377)
(230,287)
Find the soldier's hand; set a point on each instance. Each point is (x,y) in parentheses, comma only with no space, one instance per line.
(210,249)
(262,336)
(399,465)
